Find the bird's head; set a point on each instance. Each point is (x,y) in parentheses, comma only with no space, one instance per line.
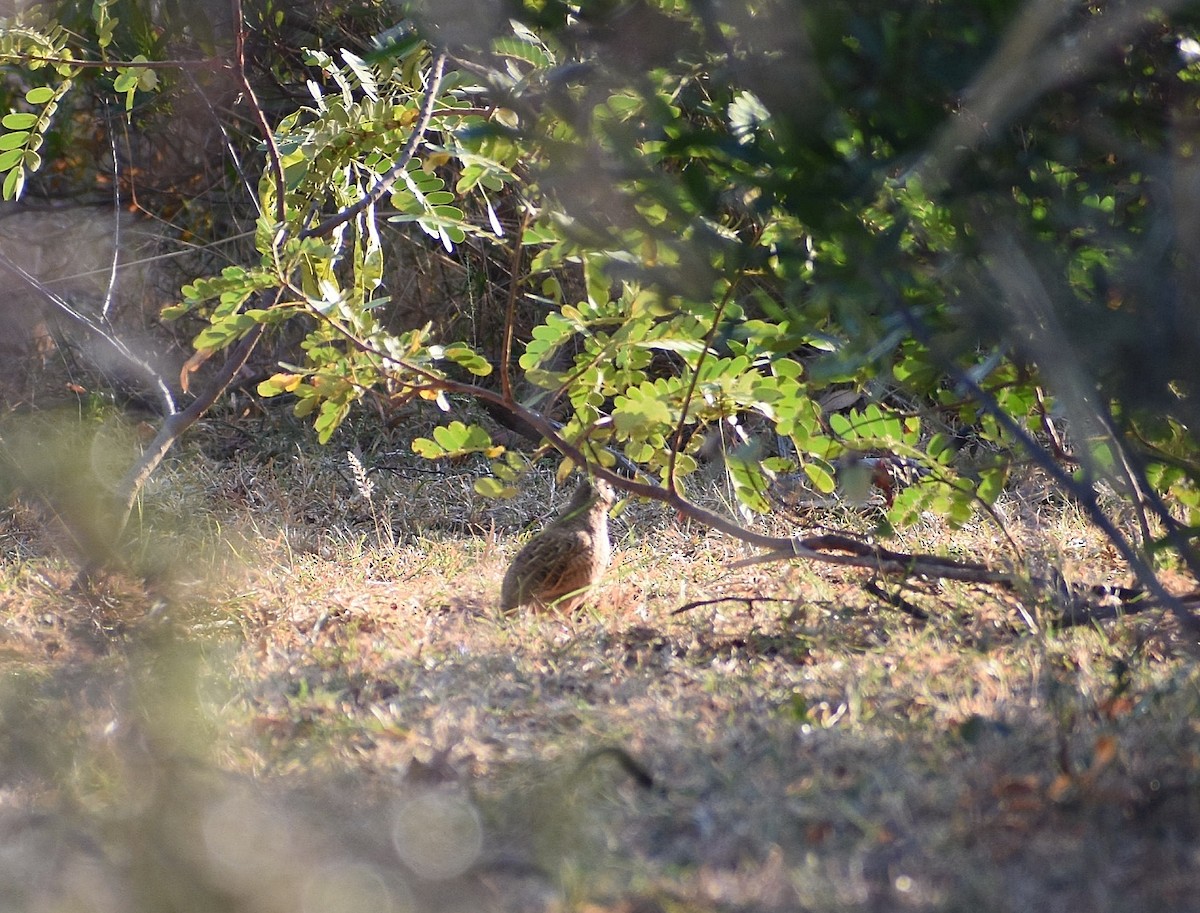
(591,493)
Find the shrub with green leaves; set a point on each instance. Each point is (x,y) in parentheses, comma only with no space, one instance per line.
(943,218)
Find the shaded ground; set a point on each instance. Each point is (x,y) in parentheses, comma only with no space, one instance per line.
(318,708)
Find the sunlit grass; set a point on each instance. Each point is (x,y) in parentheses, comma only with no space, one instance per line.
(311,661)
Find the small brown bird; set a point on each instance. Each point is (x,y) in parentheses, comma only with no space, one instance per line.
(559,566)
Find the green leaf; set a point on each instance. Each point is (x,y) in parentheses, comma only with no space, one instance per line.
(489,487)
(597,283)
(787,368)
(991,483)
(224,331)
(640,451)
(306,402)
(639,411)
(460,436)
(941,448)
(332,413)
(10,158)
(469,359)
(959,511)
(908,506)
(39,95)
(522,50)
(19,120)
(127,81)
(366,79)
(749,483)
(14,183)
(821,476)
(279,383)
(456,440)
(174,311)
(15,140)
(685,464)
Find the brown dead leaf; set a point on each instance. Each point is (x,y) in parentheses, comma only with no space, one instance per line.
(191,366)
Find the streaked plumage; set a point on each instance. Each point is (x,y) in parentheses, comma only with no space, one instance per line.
(560,565)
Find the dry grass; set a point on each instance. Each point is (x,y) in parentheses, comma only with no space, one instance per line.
(315,705)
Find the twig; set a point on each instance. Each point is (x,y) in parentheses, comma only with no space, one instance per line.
(876,589)
(110,291)
(847,551)
(749,601)
(205,63)
(276,161)
(718,316)
(514,285)
(142,367)
(230,148)
(1056,441)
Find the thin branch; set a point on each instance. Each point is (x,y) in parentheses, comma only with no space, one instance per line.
(98,328)
(510,309)
(230,148)
(189,248)
(1148,495)
(1132,477)
(695,378)
(1052,432)
(116,256)
(748,601)
(879,591)
(847,551)
(239,54)
(828,548)
(205,63)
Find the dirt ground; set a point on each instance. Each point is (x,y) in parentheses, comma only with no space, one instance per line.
(307,700)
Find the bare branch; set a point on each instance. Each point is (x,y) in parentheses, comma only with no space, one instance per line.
(140,365)
(204,63)
(116,223)
(514,287)
(239,59)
